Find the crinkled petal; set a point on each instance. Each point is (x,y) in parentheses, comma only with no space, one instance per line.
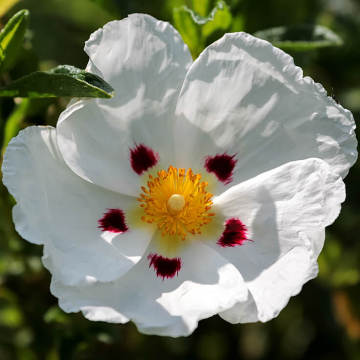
(245,97)
(242,312)
(274,286)
(205,285)
(285,211)
(57,208)
(145,60)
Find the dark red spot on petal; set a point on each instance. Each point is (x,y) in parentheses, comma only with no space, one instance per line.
(142,158)
(235,233)
(222,165)
(165,267)
(114,221)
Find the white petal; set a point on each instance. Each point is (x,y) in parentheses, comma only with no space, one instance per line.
(57,208)
(245,97)
(273,287)
(205,285)
(145,60)
(285,210)
(242,312)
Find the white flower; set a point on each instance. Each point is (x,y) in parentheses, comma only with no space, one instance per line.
(201,188)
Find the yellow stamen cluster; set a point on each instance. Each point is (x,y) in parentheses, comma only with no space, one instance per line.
(177,202)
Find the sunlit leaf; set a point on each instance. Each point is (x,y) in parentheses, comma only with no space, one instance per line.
(188,29)
(64,80)
(300,37)
(221,19)
(195,28)
(202,20)
(201,7)
(6,5)
(11,39)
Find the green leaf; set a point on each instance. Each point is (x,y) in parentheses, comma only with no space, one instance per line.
(220,19)
(195,29)
(64,80)
(202,20)
(189,31)
(201,7)
(12,38)
(300,37)
(14,122)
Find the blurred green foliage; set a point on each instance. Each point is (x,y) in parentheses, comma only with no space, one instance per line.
(12,38)
(323,322)
(301,37)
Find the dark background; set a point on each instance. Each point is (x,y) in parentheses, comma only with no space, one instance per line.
(323,322)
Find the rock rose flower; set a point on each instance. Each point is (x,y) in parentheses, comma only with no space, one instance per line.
(201,188)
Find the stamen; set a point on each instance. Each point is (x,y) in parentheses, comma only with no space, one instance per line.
(113,221)
(165,267)
(235,233)
(221,166)
(177,202)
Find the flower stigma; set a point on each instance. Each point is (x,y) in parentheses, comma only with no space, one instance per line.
(175,204)
(177,201)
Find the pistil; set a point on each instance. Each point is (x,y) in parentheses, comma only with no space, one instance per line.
(175,204)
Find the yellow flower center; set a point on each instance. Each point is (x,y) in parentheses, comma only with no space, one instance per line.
(177,202)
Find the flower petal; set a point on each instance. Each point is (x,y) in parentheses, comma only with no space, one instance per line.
(273,288)
(170,307)
(242,312)
(285,210)
(60,210)
(243,96)
(145,60)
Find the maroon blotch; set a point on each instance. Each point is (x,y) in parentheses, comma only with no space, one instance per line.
(165,267)
(114,221)
(235,233)
(222,165)
(142,158)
